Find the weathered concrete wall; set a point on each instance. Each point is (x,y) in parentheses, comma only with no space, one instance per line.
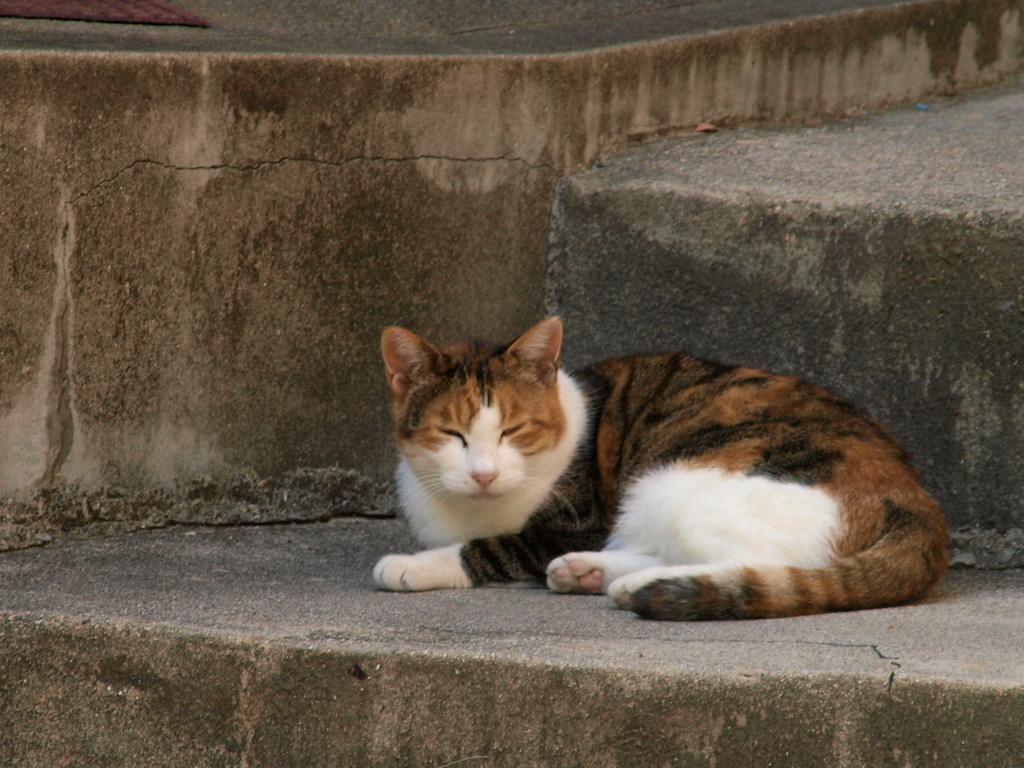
(202,274)
(199,250)
(103,697)
(883,259)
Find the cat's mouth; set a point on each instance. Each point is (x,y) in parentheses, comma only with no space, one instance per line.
(485,496)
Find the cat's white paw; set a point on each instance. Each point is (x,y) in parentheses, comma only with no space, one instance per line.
(430,569)
(577,572)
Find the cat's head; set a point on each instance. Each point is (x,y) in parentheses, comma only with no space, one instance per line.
(473,419)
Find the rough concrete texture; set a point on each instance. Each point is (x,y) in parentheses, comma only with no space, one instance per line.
(268,646)
(977,547)
(197,305)
(242,498)
(401,27)
(200,248)
(882,258)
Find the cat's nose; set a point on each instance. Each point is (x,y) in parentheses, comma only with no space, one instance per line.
(484,479)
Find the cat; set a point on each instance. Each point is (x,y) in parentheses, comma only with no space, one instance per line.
(684,489)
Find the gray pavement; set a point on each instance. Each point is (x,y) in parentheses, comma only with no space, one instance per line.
(417,26)
(310,586)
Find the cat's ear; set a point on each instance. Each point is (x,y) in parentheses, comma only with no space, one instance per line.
(538,349)
(406,356)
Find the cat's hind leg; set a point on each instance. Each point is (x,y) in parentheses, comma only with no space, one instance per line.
(592,572)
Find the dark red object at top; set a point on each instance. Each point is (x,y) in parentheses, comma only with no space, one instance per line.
(120,11)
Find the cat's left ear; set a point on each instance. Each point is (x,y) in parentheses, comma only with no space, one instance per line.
(539,347)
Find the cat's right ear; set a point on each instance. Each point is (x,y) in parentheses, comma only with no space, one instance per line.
(405,355)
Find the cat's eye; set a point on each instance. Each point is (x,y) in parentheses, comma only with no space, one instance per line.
(456,433)
(511,430)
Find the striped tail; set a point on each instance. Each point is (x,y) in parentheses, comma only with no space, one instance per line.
(906,562)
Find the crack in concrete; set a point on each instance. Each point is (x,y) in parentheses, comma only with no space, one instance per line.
(892,677)
(260,164)
(882,655)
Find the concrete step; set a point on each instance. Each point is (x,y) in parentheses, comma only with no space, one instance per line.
(268,646)
(881,257)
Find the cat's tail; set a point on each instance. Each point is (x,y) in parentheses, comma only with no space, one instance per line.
(906,561)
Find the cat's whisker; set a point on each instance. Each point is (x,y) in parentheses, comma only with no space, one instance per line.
(437,490)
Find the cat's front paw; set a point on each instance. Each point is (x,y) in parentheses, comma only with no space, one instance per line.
(431,569)
(577,572)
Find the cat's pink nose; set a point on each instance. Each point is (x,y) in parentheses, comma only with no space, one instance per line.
(484,479)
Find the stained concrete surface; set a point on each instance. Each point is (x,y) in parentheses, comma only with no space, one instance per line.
(882,258)
(270,644)
(420,27)
(202,246)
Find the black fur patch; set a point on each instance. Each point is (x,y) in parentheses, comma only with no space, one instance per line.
(715,436)
(797,461)
(898,519)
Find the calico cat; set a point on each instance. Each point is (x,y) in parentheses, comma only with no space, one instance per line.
(684,489)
